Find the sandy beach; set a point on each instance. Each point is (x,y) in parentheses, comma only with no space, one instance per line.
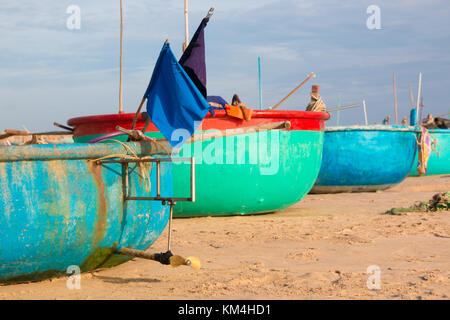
(320,248)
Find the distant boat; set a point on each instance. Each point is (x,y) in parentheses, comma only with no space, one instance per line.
(59,209)
(225,186)
(437,163)
(365,158)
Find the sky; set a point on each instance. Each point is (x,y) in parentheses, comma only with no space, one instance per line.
(49,72)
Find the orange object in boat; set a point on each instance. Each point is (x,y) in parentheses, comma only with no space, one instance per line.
(240,111)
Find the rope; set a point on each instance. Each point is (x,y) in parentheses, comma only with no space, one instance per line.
(144,167)
(316,104)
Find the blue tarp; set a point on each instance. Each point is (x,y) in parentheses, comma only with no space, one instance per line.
(218,100)
(174,102)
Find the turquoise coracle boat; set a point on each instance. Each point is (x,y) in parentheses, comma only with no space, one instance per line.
(437,163)
(255,172)
(365,158)
(58,208)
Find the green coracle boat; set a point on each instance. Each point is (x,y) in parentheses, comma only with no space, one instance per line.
(258,171)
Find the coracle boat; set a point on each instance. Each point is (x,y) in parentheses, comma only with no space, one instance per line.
(438,163)
(60,208)
(365,158)
(258,171)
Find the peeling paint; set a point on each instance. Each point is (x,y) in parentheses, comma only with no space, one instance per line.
(60,212)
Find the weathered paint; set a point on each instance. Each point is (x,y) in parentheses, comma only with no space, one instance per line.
(365,158)
(437,163)
(59,209)
(228,182)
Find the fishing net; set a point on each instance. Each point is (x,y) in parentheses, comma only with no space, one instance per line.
(439,202)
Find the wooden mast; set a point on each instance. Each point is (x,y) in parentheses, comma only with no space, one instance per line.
(121,59)
(418,97)
(395,102)
(186,25)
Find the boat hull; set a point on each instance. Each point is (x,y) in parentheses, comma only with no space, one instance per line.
(437,163)
(365,158)
(252,173)
(59,209)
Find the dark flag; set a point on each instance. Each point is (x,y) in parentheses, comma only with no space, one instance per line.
(193,58)
(173,100)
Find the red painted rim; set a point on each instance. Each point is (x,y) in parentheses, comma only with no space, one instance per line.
(104,124)
(218,114)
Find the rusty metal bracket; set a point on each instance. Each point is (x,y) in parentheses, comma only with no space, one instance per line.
(171,201)
(126,179)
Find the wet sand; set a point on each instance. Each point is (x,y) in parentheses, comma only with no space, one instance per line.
(320,248)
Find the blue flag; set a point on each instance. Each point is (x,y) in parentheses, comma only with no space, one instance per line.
(173,100)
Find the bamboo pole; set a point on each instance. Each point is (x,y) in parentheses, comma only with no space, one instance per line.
(418,97)
(338,113)
(365,112)
(133,124)
(186,25)
(292,92)
(234,132)
(281,125)
(260,88)
(411,96)
(344,107)
(395,101)
(121,59)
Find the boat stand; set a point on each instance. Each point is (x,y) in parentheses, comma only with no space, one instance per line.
(166,257)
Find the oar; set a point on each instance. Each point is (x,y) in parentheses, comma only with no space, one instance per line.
(140,136)
(345,107)
(166,258)
(292,92)
(56,124)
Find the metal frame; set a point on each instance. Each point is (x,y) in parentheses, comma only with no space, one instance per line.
(126,178)
(171,201)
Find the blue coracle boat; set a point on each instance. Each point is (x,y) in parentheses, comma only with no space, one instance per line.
(58,208)
(365,158)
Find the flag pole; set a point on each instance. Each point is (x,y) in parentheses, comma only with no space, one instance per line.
(138,111)
(260,89)
(186,25)
(121,59)
(395,101)
(365,113)
(411,95)
(418,97)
